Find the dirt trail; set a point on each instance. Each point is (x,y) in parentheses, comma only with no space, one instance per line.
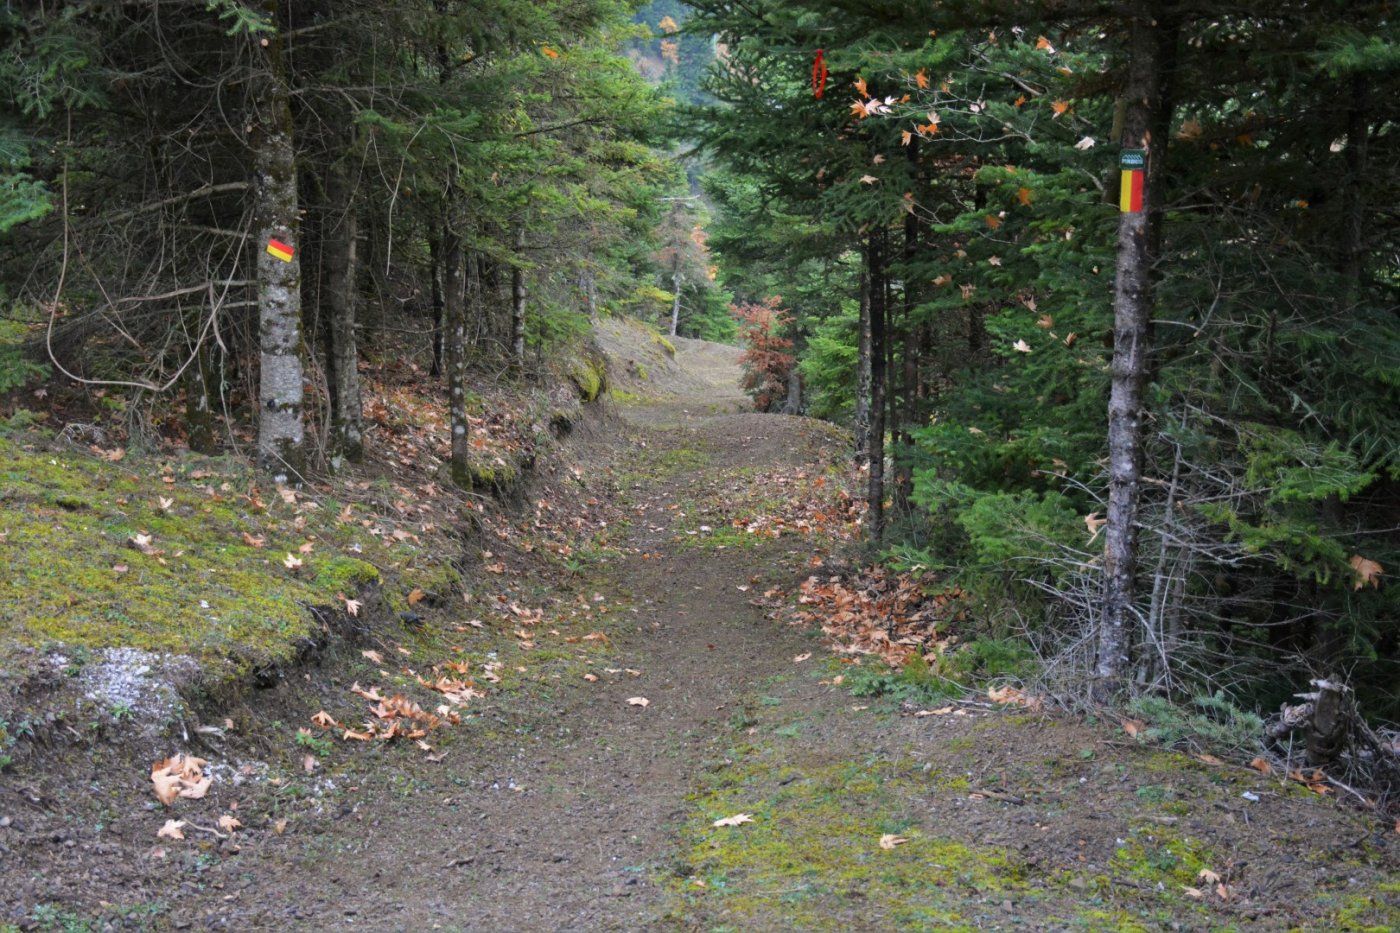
(561,806)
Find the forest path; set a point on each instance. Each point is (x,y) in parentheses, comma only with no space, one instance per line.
(561,811)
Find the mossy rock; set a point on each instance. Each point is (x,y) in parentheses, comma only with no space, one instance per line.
(589,373)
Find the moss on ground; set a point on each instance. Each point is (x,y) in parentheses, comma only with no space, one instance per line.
(178,556)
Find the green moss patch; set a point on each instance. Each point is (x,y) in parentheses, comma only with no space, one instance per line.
(194,557)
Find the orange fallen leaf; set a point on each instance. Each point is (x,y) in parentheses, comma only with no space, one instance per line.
(1368,572)
(279,827)
(1209,759)
(591,678)
(254,542)
(229,823)
(1134,727)
(638,701)
(324,720)
(890,840)
(416,596)
(173,829)
(374,656)
(1262,766)
(734,820)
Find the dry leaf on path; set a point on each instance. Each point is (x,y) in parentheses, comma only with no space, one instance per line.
(229,823)
(279,827)
(173,829)
(374,656)
(1134,727)
(181,776)
(1262,765)
(801,657)
(734,820)
(890,840)
(639,701)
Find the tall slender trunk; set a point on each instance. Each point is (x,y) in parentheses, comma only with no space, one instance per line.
(199,411)
(879,319)
(1145,124)
(454,323)
(590,293)
(862,413)
(338,255)
(281,423)
(517,303)
(676,280)
(435,273)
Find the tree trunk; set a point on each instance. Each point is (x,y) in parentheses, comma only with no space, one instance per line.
(862,413)
(281,425)
(590,293)
(454,322)
(199,411)
(1145,124)
(676,280)
(435,273)
(517,304)
(875,457)
(338,255)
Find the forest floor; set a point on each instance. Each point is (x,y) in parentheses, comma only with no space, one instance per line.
(640,680)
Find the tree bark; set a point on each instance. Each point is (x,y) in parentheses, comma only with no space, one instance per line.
(862,413)
(517,304)
(435,273)
(338,255)
(281,424)
(676,280)
(590,293)
(454,323)
(1145,123)
(875,457)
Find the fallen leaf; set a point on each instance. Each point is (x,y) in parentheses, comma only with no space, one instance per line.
(1368,572)
(1194,892)
(1134,727)
(1060,107)
(180,776)
(416,596)
(1094,522)
(120,569)
(279,827)
(868,179)
(374,656)
(229,823)
(1209,759)
(801,657)
(1021,346)
(591,678)
(639,701)
(1262,765)
(253,542)
(734,820)
(941,711)
(306,548)
(165,503)
(309,763)
(890,840)
(173,829)
(292,562)
(324,720)
(352,606)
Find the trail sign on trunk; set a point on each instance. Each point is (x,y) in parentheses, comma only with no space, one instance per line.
(1133,162)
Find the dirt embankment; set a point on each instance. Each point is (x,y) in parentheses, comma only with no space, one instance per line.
(651,749)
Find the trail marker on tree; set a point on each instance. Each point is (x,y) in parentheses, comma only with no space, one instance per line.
(1133,162)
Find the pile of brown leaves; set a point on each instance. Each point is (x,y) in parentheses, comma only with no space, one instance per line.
(878,612)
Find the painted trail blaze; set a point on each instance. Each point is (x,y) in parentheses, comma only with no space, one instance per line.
(281,250)
(1133,163)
